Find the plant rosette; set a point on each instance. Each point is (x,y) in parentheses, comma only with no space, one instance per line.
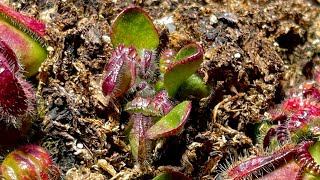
(132,69)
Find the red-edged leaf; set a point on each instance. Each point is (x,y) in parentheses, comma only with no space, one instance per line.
(139,143)
(31,54)
(257,164)
(25,37)
(133,27)
(172,123)
(12,15)
(186,63)
(121,72)
(160,105)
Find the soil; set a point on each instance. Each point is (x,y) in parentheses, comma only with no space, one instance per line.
(254,52)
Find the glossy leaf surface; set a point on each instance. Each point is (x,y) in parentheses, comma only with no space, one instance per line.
(17,107)
(29,162)
(9,56)
(120,72)
(172,123)
(186,63)
(133,27)
(315,152)
(166,59)
(257,164)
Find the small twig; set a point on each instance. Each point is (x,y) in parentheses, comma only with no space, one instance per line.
(236,110)
(88,149)
(215,113)
(226,129)
(215,110)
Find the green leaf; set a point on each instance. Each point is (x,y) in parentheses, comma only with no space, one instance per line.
(194,88)
(133,27)
(159,86)
(314,151)
(308,176)
(134,143)
(172,123)
(25,36)
(187,51)
(186,63)
(171,175)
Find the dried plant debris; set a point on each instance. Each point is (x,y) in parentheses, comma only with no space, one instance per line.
(254,50)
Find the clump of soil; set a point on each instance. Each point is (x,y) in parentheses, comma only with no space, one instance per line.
(254,52)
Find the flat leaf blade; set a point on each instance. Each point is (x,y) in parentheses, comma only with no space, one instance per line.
(187,62)
(172,123)
(194,88)
(133,27)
